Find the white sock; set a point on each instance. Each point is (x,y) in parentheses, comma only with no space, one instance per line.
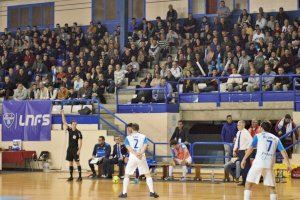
(149,182)
(184,171)
(247,194)
(171,171)
(125,185)
(273,196)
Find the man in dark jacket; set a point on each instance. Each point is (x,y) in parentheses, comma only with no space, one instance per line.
(101,155)
(281,82)
(119,156)
(7,89)
(228,134)
(143,96)
(85,92)
(171,14)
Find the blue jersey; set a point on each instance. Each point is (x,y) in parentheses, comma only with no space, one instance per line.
(266,144)
(136,141)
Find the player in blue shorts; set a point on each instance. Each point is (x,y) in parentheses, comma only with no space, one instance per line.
(266,144)
(137,143)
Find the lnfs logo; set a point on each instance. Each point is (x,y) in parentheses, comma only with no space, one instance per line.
(26,120)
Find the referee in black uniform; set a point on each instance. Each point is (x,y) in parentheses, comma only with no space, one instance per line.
(75,143)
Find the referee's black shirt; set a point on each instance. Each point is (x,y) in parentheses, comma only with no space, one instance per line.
(74,136)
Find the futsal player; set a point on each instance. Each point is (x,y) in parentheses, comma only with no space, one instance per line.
(266,144)
(137,143)
(74,147)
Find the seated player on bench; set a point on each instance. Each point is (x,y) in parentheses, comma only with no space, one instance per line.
(101,155)
(181,156)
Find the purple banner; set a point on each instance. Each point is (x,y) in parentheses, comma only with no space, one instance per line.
(26,120)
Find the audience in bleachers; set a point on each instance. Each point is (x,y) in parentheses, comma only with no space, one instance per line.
(67,62)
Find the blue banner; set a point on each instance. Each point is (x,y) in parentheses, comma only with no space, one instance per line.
(26,120)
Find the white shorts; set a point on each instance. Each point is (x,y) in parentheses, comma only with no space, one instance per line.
(187,161)
(134,162)
(254,175)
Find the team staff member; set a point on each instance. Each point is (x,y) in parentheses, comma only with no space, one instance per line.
(75,144)
(242,143)
(101,152)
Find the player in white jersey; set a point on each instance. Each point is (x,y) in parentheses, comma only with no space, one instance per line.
(137,143)
(266,144)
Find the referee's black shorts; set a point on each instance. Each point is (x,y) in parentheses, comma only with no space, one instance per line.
(72,155)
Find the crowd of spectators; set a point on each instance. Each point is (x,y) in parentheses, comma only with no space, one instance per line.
(69,63)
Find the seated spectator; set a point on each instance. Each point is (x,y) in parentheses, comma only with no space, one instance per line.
(97,93)
(259,61)
(7,90)
(78,83)
(189,68)
(228,61)
(119,76)
(258,34)
(162,91)
(135,65)
(253,81)
(190,24)
(85,92)
(268,78)
(20,93)
(181,156)
(171,14)
(43,91)
(142,96)
(154,52)
(271,23)
(52,92)
(101,82)
(235,81)
(163,45)
(176,71)
(212,83)
(287,62)
(189,85)
(163,70)
(244,17)
(33,91)
(281,82)
(223,11)
(100,155)
(156,80)
(119,156)
(254,128)
(62,93)
(261,21)
(172,39)
(233,167)
(148,79)
(244,67)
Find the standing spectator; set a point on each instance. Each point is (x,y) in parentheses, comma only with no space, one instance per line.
(228,134)
(244,18)
(242,143)
(284,126)
(190,24)
(163,92)
(281,16)
(171,15)
(180,134)
(223,11)
(20,93)
(254,128)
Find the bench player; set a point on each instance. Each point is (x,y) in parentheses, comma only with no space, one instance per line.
(137,143)
(266,144)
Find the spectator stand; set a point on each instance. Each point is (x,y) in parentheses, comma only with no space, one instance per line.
(222,95)
(168,103)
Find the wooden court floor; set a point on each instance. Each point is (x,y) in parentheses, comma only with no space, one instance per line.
(53,186)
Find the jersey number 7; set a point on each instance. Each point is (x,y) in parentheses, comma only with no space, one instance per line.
(270,144)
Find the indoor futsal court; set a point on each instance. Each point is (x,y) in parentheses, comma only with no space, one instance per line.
(53,186)
(150,99)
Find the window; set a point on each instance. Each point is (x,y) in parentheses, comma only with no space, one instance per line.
(211,6)
(198,6)
(30,15)
(136,8)
(105,10)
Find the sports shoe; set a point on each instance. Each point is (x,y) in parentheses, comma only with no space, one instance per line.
(103,176)
(79,179)
(70,179)
(183,179)
(154,195)
(169,178)
(92,176)
(123,196)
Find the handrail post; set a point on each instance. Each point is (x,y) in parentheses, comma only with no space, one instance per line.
(117,99)
(219,93)
(154,151)
(260,103)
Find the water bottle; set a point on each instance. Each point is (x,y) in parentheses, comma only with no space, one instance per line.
(213,176)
